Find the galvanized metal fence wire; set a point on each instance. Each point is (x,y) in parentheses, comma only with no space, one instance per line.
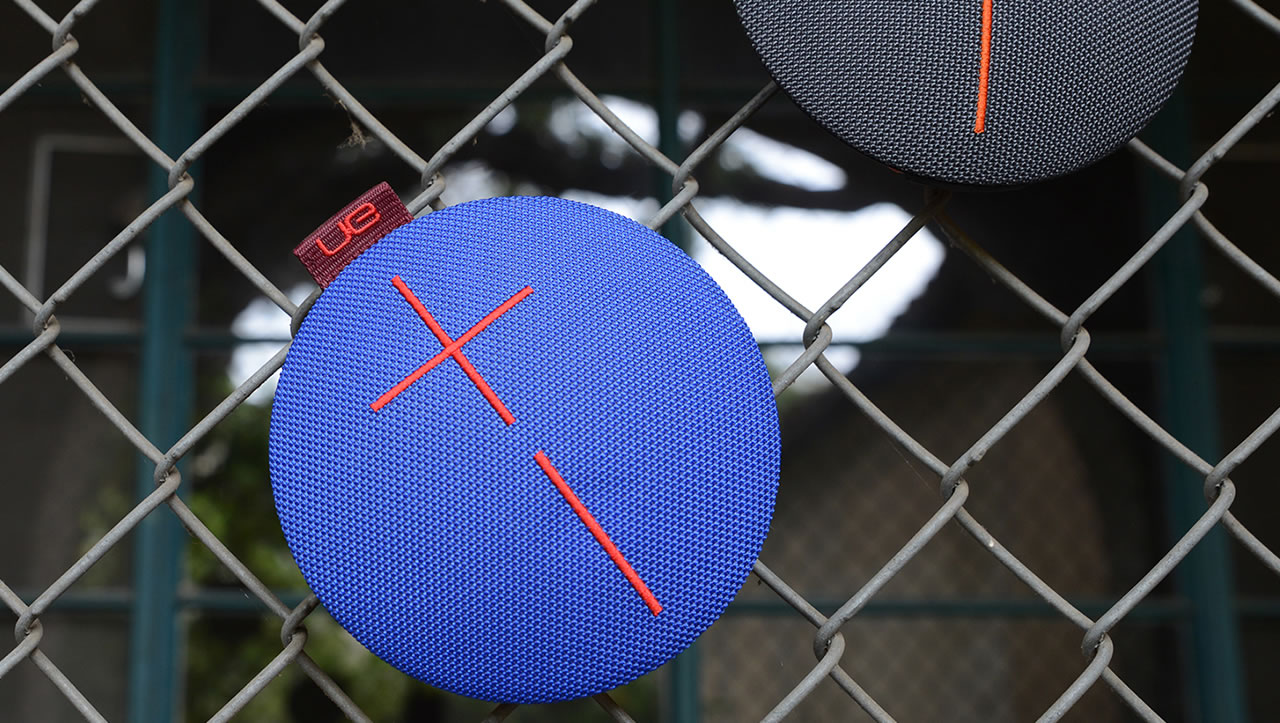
(829,645)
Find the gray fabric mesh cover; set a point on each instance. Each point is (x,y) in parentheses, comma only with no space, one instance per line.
(1070,80)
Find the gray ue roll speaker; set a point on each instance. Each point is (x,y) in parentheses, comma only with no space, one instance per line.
(976,92)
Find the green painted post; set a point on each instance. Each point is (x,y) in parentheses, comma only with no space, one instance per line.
(683,701)
(683,672)
(166,382)
(666,51)
(1215,689)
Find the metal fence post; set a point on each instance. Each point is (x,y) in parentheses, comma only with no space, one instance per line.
(683,670)
(155,669)
(666,50)
(682,704)
(1189,406)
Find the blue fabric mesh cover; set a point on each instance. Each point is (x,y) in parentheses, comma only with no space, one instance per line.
(427,529)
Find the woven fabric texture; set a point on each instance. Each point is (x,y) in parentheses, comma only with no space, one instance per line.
(1069,83)
(428,529)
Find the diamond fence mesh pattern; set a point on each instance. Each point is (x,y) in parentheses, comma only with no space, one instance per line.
(830,636)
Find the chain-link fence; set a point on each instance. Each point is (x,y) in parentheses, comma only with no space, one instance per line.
(1014,469)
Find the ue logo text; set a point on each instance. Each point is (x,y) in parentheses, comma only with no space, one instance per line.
(360,219)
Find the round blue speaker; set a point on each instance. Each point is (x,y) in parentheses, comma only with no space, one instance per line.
(524,449)
(990,93)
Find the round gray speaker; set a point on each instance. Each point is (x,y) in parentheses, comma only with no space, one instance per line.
(976,92)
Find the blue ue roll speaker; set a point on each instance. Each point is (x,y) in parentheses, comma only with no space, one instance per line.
(523,449)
